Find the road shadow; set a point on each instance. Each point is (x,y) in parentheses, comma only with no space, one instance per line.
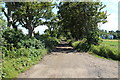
(64,47)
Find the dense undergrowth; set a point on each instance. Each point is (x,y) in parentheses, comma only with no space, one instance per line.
(106,51)
(103,50)
(20,52)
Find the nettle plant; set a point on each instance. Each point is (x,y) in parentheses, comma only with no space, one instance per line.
(31,43)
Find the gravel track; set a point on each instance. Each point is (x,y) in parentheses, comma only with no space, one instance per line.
(64,62)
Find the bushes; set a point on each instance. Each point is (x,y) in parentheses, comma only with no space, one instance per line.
(84,47)
(19,56)
(22,52)
(19,52)
(18,60)
(8,70)
(81,45)
(11,36)
(101,50)
(31,43)
(105,51)
(50,42)
(18,39)
(76,43)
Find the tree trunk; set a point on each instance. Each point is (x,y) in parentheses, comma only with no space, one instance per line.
(9,14)
(29,27)
(30,31)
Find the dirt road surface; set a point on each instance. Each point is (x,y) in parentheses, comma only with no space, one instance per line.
(64,62)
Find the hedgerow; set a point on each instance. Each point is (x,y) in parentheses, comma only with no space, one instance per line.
(19,52)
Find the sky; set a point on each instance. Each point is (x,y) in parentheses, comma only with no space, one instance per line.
(112,9)
(112,24)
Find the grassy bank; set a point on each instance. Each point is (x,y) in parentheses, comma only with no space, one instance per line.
(107,48)
(20,52)
(12,67)
(112,43)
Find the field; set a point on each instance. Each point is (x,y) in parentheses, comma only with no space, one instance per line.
(112,43)
(108,49)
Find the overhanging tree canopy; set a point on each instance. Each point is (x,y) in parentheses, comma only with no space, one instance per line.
(32,14)
(82,18)
(28,14)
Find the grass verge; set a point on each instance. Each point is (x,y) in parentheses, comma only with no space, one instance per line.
(12,67)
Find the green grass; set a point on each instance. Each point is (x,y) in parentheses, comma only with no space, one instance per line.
(76,43)
(101,57)
(12,67)
(111,43)
(107,49)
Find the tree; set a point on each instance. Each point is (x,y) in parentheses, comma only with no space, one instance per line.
(53,26)
(11,7)
(32,14)
(118,34)
(103,34)
(82,18)
(2,25)
(2,21)
(29,14)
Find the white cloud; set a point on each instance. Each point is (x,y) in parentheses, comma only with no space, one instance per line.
(112,9)
(25,31)
(41,29)
(112,23)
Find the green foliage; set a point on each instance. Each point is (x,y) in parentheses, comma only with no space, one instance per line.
(106,51)
(111,43)
(76,43)
(2,21)
(69,41)
(31,14)
(18,60)
(81,20)
(93,38)
(53,27)
(8,70)
(21,52)
(50,42)
(12,36)
(17,39)
(9,53)
(31,43)
(82,45)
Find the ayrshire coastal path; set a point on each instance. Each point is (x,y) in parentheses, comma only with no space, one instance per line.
(65,62)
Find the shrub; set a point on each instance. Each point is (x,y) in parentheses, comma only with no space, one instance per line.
(82,45)
(8,70)
(95,49)
(12,36)
(50,42)
(31,43)
(11,68)
(22,52)
(9,53)
(76,43)
(69,41)
(24,58)
(105,51)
